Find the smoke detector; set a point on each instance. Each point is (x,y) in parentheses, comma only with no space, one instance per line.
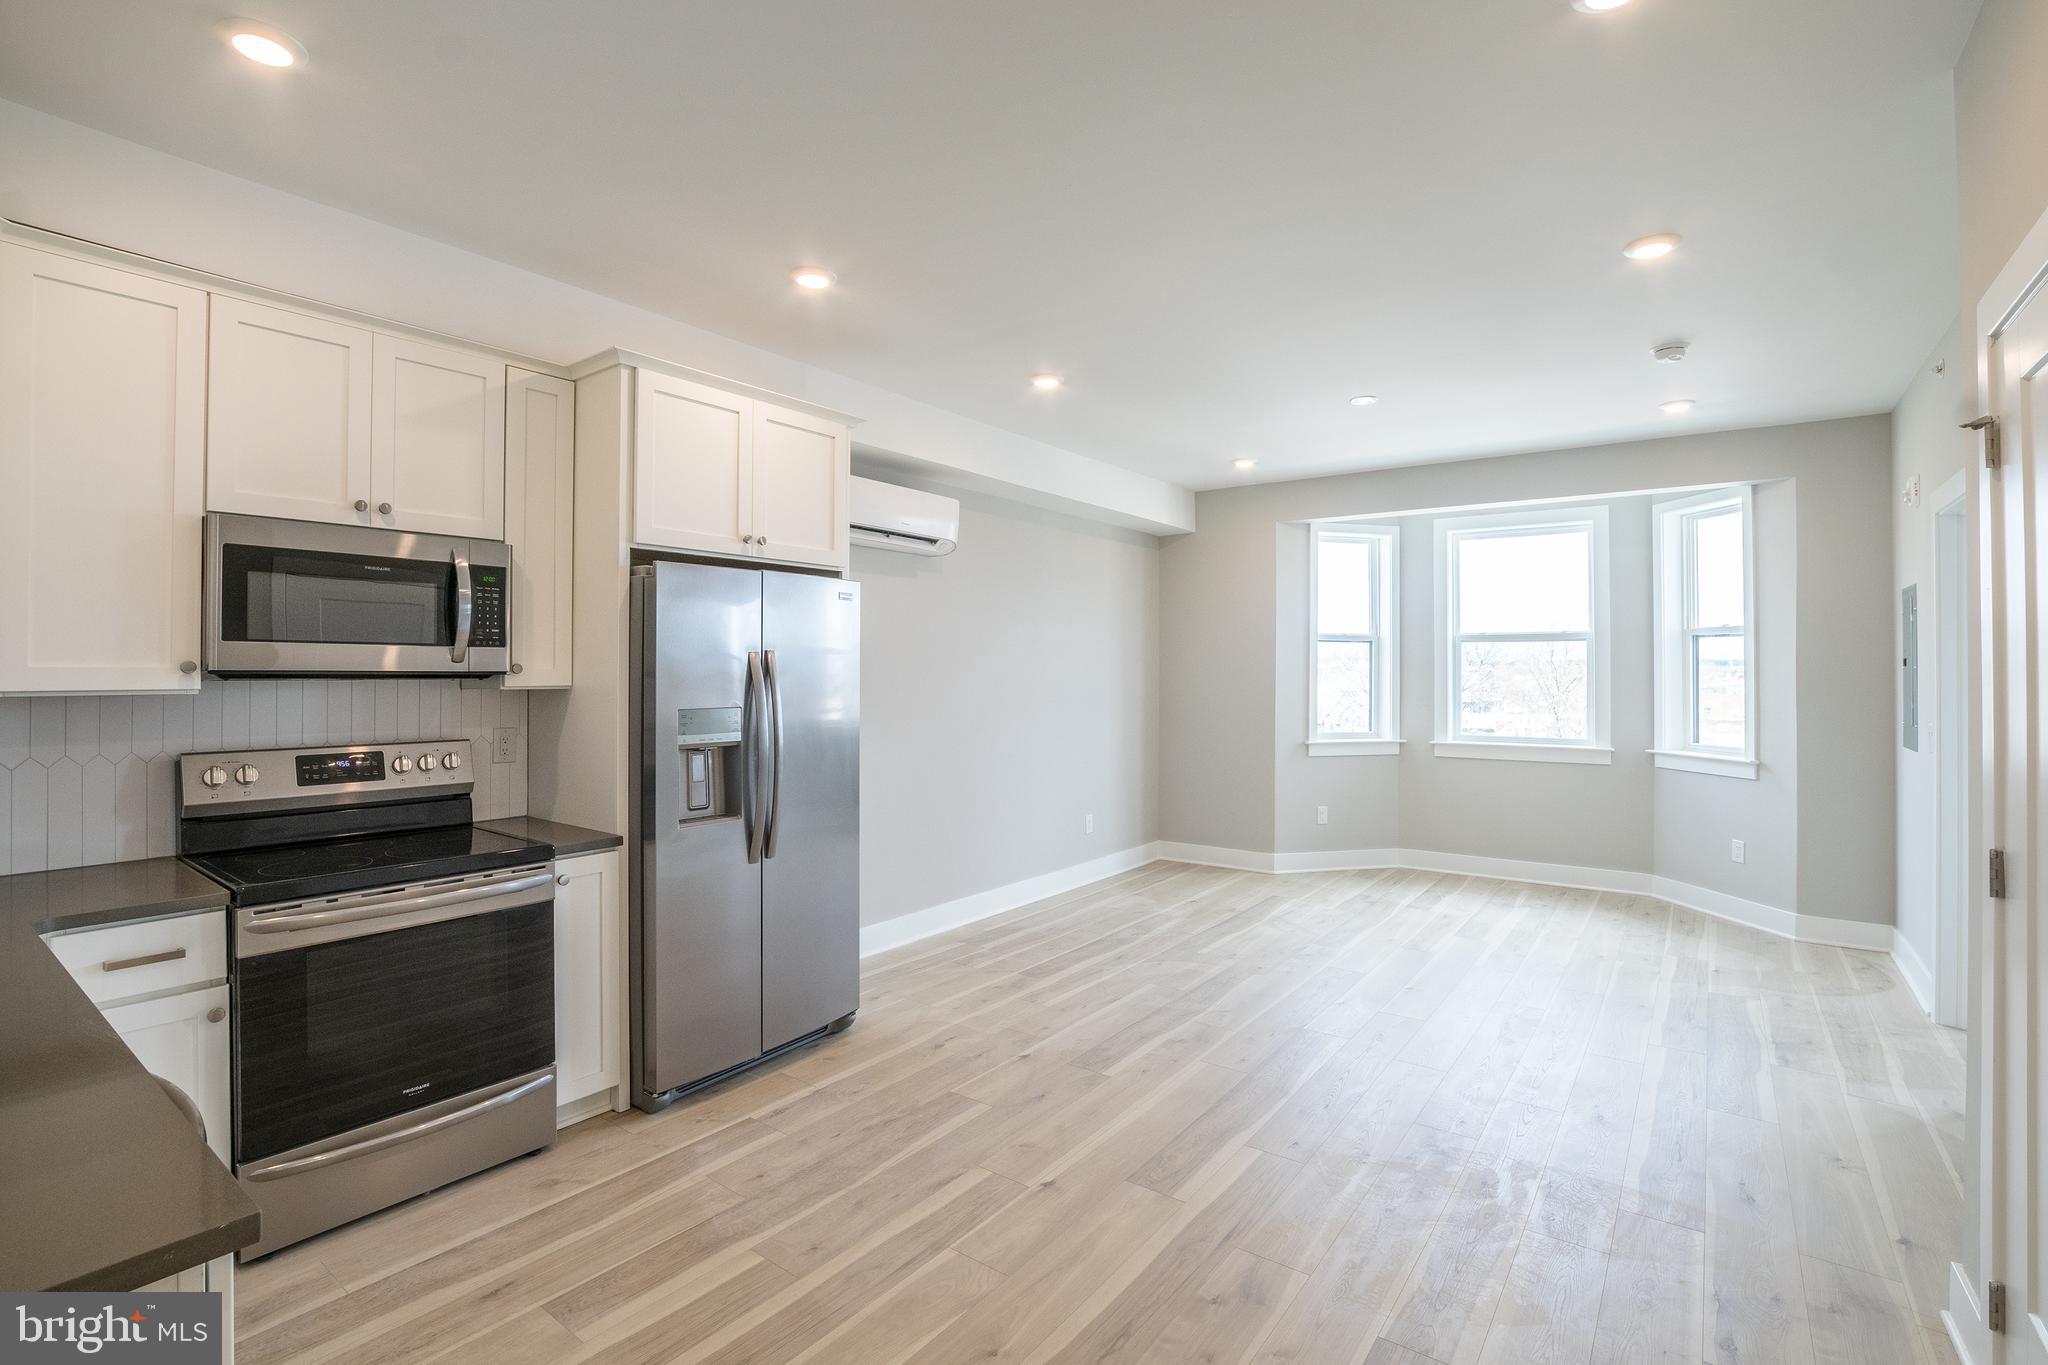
(1669,354)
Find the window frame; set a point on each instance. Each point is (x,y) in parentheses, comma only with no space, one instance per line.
(1597,746)
(1384,733)
(1674,522)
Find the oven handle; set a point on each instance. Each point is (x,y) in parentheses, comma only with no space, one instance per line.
(275,1169)
(365,916)
(465,607)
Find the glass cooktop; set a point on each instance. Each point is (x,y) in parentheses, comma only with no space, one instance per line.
(331,867)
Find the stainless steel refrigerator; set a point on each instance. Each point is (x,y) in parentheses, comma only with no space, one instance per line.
(745,934)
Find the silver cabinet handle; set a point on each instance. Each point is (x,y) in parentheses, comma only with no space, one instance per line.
(384,509)
(746,540)
(465,607)
(148,960)
(760,540)
(215,1015)
(275,1169)
(188,666)
(561,879)
(362,504)
(774,820)
(519,668)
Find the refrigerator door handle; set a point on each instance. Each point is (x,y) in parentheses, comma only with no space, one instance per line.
(774,820)
(750,763)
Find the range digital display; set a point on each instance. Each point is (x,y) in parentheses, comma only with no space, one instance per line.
(358,765)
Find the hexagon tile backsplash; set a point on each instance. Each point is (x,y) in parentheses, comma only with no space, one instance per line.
(89,779)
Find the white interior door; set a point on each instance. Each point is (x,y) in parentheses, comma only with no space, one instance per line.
(2010,1085)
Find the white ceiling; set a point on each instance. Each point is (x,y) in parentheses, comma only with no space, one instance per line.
(1219,221)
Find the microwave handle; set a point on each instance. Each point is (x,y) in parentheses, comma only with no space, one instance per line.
(465,607)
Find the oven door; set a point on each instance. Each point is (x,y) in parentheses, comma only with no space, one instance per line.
(358,1009)
(315,600)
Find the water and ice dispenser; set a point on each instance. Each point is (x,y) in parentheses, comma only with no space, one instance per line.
(708,752)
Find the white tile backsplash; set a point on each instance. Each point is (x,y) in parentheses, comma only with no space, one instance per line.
(91,779)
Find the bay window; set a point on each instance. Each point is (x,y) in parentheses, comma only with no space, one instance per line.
(1354,643)
(1522,606)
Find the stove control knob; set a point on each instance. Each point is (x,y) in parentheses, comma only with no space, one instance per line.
(401,764)
(427,762)
(247,774)
(452,762)
(216,776)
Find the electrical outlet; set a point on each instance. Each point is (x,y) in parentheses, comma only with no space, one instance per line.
(1088,823)
(1735,851)
(1322,815)
(505,745)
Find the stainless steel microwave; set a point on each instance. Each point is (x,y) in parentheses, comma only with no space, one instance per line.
(312,600)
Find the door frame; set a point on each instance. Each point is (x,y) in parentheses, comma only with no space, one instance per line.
(2004,814)
(1951,712)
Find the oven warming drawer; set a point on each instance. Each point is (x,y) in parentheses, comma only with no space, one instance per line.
(333,1181)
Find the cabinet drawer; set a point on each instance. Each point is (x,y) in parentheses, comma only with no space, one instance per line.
(141,959)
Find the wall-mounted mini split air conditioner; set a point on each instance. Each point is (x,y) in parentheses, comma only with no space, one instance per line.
(889,517)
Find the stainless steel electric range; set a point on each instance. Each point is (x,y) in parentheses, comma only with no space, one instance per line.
(392,975)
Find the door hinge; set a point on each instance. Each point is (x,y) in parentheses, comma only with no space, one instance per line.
(1996,888)
(1989,426)
(1994,1306)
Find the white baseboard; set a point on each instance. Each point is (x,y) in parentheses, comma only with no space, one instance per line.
(1913,968)
(1841,933)
(937,919)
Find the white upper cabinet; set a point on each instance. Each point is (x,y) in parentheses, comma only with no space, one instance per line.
(320,421)
(540,491)
(722,474)
(693,466)
(288,431)
(437,445)
(801,467)
(102,476)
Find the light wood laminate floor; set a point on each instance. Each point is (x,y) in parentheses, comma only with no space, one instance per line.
(1194,1115)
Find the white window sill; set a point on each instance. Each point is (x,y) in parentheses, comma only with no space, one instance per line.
(1526,753)
(1351,748)
(1718,765)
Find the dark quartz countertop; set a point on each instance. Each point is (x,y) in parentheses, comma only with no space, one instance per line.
(104,1183)
(567,840)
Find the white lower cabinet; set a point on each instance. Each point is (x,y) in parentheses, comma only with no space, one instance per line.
(183,1038)
(590,982)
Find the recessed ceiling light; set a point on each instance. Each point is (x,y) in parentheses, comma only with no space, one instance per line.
(1597,6)
(1048,382)
(1244,462)
(813,277)
(262,44)
(1651,248)
(1676,407)
(1365,400)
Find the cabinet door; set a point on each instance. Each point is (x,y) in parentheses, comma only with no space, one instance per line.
(288,423)
(693,467)
(184,1039)
(801,467)
(590,972)
(437,445)
(540,503)
(102,476)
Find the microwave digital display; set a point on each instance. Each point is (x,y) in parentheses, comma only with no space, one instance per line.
(358,765)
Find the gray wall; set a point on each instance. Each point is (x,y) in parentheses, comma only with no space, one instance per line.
(1827,524)
(1007,691)
(2001,126)
(89,779)
(1929,444)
